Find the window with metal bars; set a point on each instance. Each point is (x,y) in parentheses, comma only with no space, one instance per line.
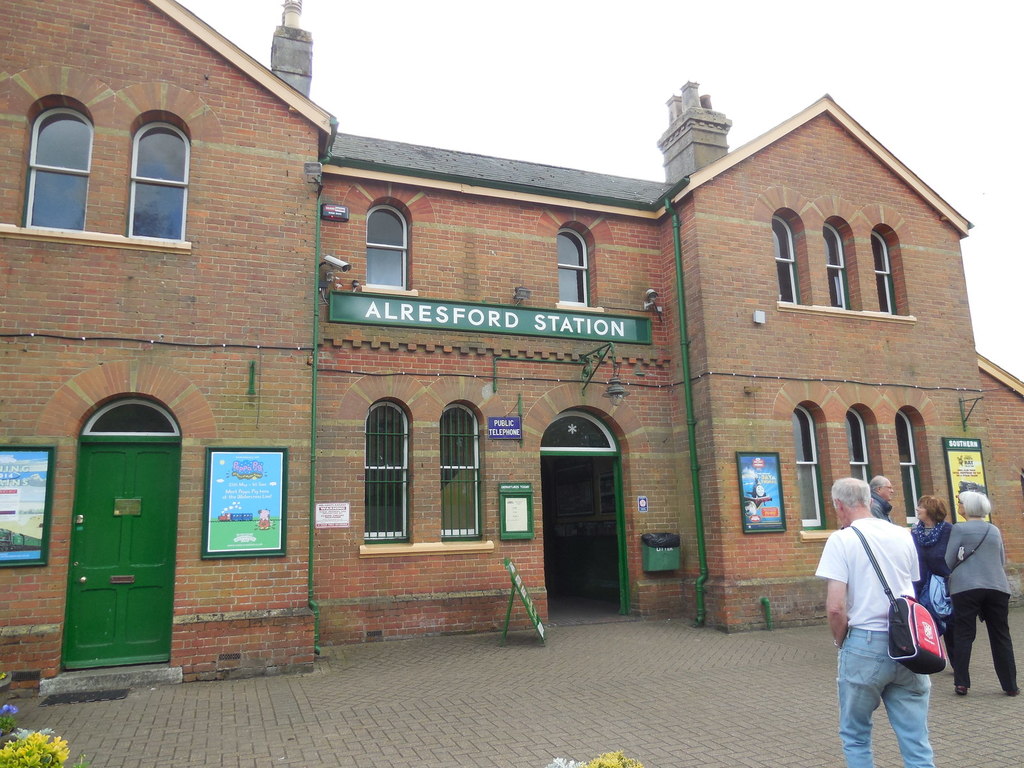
(387,473)
(460,474)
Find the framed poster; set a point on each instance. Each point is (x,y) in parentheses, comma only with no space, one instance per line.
(515,507)
(965,468)
(761,505)
(246,490)
(26,491)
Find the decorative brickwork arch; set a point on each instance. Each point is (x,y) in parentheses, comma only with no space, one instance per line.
(793,393)
(366,391)
(20,91)
(774,199)
(622,420)
(871,216)
(72,404)
(199,120)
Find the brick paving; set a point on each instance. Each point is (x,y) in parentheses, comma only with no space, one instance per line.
(666,693)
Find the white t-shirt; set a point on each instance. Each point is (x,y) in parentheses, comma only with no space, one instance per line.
(845,560)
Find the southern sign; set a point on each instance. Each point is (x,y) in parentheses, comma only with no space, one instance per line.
(375,309)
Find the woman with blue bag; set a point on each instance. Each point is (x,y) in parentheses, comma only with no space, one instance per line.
(931,536)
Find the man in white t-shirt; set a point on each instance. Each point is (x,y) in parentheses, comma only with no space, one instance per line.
(858,615)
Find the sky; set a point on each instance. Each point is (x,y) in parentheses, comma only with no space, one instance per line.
(584,84)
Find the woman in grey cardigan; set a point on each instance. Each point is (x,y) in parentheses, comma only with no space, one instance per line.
(979,589)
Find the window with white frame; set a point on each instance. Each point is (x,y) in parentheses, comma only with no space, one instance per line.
(59,164)
(883,274)
(857,445)
(387,473)
(387,249)
(572,268)
(836,263)
(905,444)
(160,160)
(808,479)
(460,473)
(785,260)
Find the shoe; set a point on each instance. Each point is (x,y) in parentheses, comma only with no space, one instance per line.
(961,690)
(1014,692)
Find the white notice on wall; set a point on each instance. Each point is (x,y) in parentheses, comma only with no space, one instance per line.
(516,518)
(332,515)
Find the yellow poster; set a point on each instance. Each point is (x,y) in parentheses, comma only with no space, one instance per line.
(965,467)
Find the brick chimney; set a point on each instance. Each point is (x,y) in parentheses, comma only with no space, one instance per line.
(291,55)
(696,134)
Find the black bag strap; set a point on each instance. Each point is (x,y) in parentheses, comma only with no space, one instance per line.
(871,557)
(976,548)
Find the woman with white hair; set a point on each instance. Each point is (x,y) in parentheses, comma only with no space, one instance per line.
(979,589)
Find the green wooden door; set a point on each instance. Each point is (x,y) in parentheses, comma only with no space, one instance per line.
(121,578)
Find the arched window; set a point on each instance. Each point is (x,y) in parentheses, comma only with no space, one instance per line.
(857,445)
(883,275)
(460,474)
(59,170)
(387,473)
(386,248)
(905,444)
(572,268)
(785,260)
(131,417)
(807,476)
(836,263)
(160,159)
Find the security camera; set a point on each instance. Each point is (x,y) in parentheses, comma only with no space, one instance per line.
(651,300)
(344,266)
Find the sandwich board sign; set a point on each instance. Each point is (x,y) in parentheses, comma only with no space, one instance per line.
(518,588)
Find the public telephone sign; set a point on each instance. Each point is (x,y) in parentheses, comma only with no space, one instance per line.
(505,427)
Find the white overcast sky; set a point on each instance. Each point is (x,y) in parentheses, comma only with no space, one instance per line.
(583,84)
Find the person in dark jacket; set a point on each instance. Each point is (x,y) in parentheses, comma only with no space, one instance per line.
(931,535)
(881,497)
(980,589)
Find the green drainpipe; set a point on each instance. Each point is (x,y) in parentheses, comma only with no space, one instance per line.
(691,422)
(314,606)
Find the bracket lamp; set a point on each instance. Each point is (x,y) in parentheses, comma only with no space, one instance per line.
(615,391)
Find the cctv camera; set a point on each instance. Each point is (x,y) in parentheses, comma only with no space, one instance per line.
(344,266)
(650,294)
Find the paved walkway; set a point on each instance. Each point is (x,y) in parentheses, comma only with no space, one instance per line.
(666,693)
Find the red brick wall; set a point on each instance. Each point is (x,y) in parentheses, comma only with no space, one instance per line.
(156,320)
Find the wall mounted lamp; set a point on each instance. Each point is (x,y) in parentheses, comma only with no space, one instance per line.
(615,391)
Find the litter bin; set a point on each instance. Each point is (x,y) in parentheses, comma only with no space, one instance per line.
(660,551)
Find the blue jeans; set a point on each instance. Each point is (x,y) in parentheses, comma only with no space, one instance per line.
(867,676)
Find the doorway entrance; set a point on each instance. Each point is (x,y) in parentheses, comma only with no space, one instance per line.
(123,533)
(584,542)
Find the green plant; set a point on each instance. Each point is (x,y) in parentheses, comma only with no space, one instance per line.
(34,749)
(7,721)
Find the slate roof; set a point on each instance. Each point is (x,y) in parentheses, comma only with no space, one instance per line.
(482,170)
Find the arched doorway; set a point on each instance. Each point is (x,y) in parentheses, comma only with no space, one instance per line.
(584,542)
(123,533)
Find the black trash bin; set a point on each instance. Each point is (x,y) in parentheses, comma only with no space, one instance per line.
(660,551)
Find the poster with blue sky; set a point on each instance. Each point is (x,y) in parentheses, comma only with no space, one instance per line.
(245,511)
(24,504)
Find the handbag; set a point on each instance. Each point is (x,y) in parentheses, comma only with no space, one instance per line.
(938,596)
(913,636)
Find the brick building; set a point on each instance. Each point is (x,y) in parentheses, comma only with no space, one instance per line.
(157,246)
(515,361)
